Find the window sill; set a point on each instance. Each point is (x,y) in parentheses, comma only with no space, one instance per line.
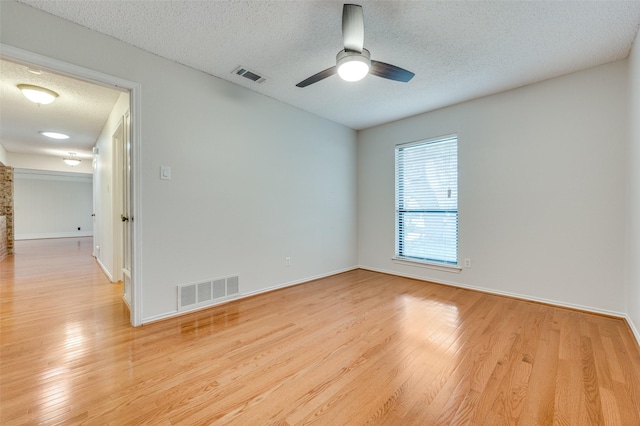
(427,264)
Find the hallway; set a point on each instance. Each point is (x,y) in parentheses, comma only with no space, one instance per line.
(57,313)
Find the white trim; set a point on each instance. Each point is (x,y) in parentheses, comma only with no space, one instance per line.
(634,330)
(65,68)
(51,175)
(502,293)
(135,124)
(50,235)
(296,282)
(176,313)
(78,72)
(457,285)
(104,269)
(426,264)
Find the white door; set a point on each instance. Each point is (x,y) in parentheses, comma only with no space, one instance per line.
(127,218)
(122,205)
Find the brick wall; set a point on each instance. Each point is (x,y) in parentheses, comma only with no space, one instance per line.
(6,209)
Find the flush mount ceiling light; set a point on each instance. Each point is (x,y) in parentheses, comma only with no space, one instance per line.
(72,160)
(54,135)
(353,66)
(37,94)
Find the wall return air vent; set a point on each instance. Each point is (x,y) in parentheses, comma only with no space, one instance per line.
(205,293)
(253,76)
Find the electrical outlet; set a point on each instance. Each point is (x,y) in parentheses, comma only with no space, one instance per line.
(287,261)
(467,263)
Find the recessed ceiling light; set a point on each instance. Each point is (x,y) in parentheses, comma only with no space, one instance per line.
(37,94)
(55,135)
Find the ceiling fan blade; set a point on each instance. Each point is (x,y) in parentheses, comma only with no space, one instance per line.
(390,72)
(317,77)
(353,27)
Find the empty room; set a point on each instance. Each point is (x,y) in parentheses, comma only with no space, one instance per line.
(313,212)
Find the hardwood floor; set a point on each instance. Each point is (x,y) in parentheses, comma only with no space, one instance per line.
(356,348)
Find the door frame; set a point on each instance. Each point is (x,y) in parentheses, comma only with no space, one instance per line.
(81,73)
(117,202)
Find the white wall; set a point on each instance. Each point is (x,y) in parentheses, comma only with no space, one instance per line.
(104,233)
(542,189)
(633,291)
(46,162)
(52,204)
(254,180)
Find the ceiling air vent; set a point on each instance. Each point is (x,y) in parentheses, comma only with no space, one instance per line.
(242,71)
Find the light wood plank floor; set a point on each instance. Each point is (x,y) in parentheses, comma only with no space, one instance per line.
(357,348)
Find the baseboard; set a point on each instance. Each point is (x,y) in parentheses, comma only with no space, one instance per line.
(126,302)
(302,281)
(633,328)
(505,293)
(104,269)
(589,309)
(50,235)
(177,313)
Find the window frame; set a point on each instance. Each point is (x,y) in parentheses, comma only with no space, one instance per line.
(423,262)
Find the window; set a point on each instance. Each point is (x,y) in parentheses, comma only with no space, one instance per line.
(427,201)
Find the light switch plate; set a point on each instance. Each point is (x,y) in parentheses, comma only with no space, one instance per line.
(165,172)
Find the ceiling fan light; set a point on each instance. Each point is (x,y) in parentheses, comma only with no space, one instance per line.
(353,70)
(37,94)
(353,66)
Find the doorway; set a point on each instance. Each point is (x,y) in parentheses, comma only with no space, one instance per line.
(128,166)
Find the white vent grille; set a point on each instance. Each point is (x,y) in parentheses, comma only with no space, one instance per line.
(219,288)
(232,285)
(251,75)
(205,293)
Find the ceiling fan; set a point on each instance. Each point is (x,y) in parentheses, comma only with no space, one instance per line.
(354,62)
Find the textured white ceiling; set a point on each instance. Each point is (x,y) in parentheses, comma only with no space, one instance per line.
(80,111)
(459,50)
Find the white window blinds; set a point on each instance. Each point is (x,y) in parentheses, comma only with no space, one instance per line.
(427,200)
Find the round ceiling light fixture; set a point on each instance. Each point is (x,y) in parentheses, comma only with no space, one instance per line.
(55,135)
(72,160)
(353,66)
(38,95)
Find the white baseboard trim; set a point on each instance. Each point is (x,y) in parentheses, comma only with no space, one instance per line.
(633,328)
(296,282)
(176,313)
(126,302)
(104,269)
(503,293)
(54,235)
(621,315)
